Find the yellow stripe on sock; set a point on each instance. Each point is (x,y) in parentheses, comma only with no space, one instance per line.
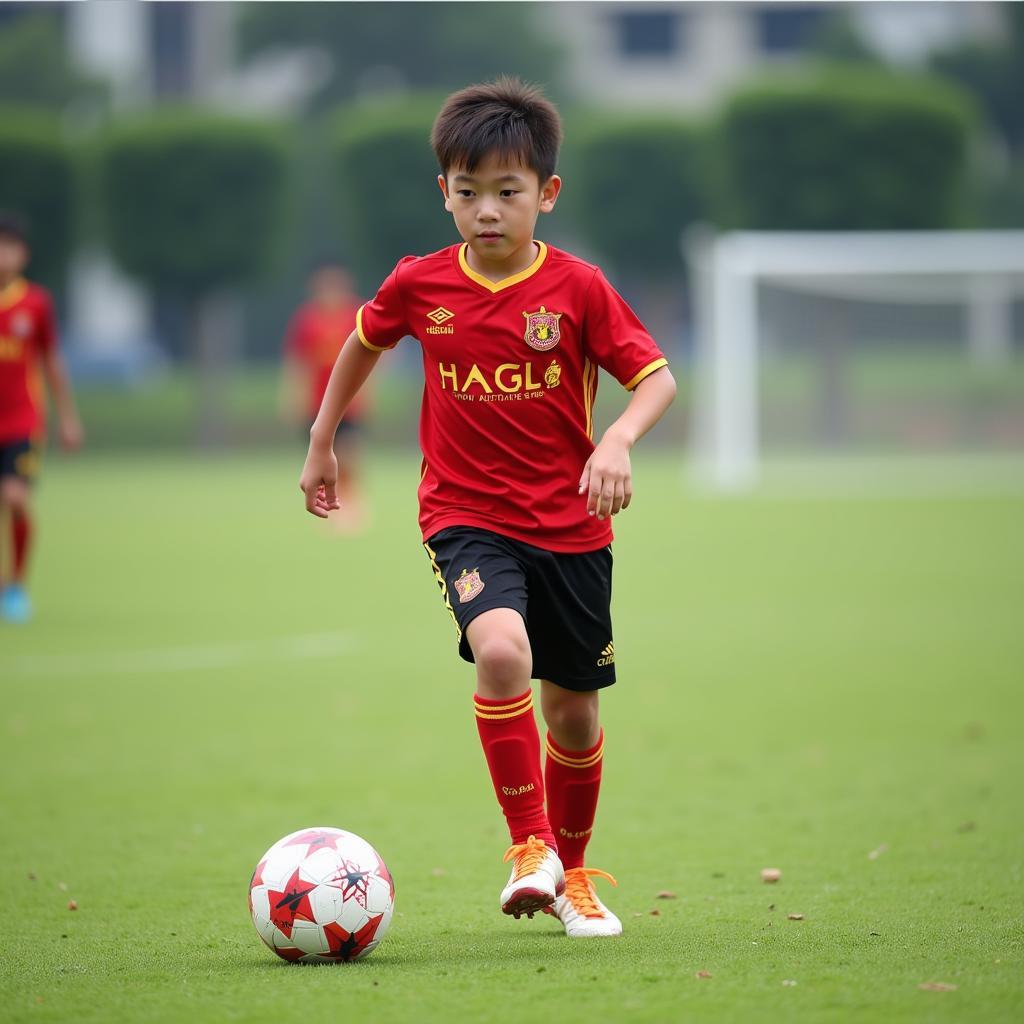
(512,714)
(519,704)
(574,762)
(497,714)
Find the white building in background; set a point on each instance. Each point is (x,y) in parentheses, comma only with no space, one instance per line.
(631,52)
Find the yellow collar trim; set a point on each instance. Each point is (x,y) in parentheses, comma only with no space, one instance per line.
(505,282)
(13,293)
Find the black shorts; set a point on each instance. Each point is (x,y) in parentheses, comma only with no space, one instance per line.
(564,599)
(19,458)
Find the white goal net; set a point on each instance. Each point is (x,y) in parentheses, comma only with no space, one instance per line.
(875,344)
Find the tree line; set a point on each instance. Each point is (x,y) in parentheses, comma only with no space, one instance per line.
(194,200)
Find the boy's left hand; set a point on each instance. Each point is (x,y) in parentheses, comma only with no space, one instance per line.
(607,478)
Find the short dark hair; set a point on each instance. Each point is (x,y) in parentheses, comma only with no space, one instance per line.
(13,225)
(507,117)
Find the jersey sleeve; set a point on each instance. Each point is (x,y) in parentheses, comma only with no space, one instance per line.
(46,325)
(381,322)
(614,337)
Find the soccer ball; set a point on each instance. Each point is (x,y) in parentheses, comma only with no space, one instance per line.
(321,895)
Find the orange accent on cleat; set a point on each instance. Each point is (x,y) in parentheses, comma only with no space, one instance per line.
(579,890)
(580,910)
(536,881)
(528,856)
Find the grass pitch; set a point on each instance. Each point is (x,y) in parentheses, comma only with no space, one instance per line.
(827,686)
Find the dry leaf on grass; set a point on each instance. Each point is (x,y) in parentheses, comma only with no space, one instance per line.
(703,974)
(878,851)
(72,905)
(655,913)
(795,917)
(63,886)
(770,875)
(789,982)
(937,986)
(665,894)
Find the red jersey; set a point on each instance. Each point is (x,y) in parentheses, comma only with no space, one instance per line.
(510,379)
(315,337)
(27,332)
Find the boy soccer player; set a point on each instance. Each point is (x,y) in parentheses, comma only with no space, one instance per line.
(28,350)
(515,499)
(315,335)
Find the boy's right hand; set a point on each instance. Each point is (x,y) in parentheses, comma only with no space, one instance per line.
(319,482)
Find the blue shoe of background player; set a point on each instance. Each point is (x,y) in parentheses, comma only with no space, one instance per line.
(14,604)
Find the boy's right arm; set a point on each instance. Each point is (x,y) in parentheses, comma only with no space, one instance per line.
(320,473)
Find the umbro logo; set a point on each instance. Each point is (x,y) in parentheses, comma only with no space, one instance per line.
(607,656)
(438,317)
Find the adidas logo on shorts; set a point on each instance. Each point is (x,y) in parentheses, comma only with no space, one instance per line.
(607,656)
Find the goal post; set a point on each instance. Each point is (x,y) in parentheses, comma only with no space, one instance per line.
(982,270)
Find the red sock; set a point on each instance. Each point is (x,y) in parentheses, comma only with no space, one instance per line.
(21,536)
(508,734)
(572,779)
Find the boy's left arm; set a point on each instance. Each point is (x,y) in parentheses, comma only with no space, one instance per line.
(607,478)
(71,433)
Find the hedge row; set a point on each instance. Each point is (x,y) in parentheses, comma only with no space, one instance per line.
(195,200)
(828,151)
(850,152)
(37,180)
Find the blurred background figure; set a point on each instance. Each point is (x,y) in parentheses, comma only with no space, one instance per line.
(28,356)
(315,335)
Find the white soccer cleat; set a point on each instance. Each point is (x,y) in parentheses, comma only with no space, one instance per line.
(579,909)
(537,878)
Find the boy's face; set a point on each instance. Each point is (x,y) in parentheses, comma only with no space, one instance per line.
(497,205)
(13,256)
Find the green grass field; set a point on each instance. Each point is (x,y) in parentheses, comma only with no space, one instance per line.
(828,685)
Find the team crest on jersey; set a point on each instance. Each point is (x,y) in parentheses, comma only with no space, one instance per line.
(468,585)
(21,324)
(542,329)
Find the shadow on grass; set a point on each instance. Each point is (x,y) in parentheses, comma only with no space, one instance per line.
(496,948)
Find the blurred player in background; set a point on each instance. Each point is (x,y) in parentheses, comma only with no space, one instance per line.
(316,334)
(28,355)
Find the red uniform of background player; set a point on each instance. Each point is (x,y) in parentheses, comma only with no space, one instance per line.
(315,335)
(28,356)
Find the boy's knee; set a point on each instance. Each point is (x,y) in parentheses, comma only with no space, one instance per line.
(572,717)
(503,658)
